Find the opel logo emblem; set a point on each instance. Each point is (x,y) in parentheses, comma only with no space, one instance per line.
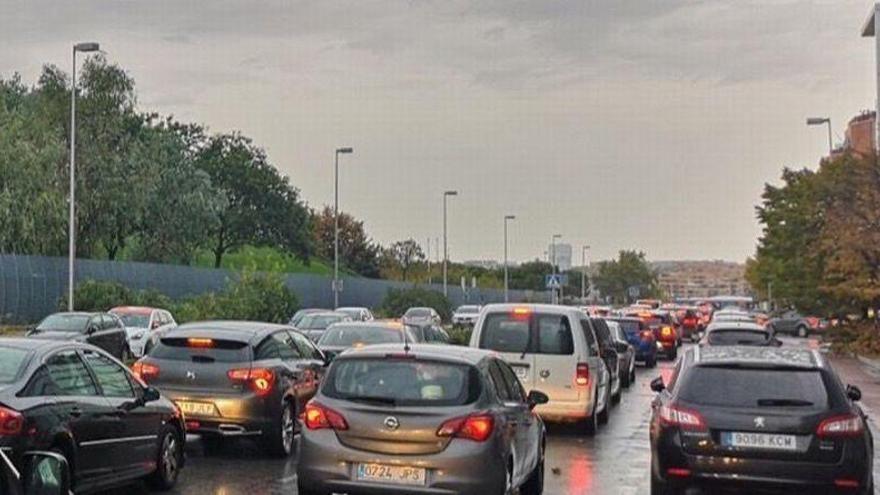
(759,422)
(191,375)
(392,423)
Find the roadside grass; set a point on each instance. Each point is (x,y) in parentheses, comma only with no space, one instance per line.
(12,330)
(266,259)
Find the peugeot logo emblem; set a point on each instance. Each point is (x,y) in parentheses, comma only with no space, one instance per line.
(392,423)
(759,422)
(191,375)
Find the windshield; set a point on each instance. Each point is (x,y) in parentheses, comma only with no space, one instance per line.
(738,387)
(468,309)
(343,335)
(417,313)
(64,323)
(134,320)
(630,327)
(403,382)
(318,322)
(12,360)
(206,350)
(738,337)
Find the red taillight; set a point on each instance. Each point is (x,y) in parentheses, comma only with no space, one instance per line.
(690,322)
(667,332)
(647,335)
(682,418)
(260,380)
(678,472)
(145,371)
(476,427)
(11,422)
(841,426)
(582,375)
(319,417)
(846,484)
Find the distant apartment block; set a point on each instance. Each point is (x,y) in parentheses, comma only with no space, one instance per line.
(860,136)
(684,279)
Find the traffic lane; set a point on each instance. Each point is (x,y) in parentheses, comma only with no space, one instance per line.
(618,459)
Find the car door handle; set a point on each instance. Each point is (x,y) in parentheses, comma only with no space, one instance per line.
(75,412)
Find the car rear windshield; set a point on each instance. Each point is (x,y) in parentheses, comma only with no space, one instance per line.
(738,337)
(64,323)
(403,382)
(204,349)
(751,387)
(629,327)
(349,336)
(418,312)
(12,360)
(509,332)
(468,309)
(134,320)
(318,322)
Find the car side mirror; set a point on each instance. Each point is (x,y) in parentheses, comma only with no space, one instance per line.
(536,398)
(151,394)
(45,473)
(854,393)
(657,384)
(621,347)
(91,329)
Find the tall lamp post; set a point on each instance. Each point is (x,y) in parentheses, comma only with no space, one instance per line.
(872,29)
(507,218)
(584,273)
(446,194)
(823,121)
(336,287)
(71,242)
(553,263)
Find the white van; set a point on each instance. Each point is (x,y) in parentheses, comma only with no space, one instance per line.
(552,349)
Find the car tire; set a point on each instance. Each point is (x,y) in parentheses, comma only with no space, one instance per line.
(279,441)
(802,331)
(651,362)
(591,424)
(625,380)
(169,461)
(673,354)
(603,416)
(632,376)
(534,485)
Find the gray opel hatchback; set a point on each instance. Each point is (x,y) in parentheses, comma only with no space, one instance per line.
(424,419)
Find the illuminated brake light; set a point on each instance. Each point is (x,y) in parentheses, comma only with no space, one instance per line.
(11,422)
(582,375)
(666,332)
(678,472)
(846,483)
(841,426)
(476,427)
(200,343)
(682,418)
(145,371)
(318,417)
(260,380)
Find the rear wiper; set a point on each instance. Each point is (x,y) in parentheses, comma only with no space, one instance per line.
(371,398)
(784,402)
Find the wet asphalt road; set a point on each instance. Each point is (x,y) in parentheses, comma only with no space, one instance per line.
(614,462)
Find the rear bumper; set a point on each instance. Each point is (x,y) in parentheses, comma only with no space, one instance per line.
(468,468)
(247,415)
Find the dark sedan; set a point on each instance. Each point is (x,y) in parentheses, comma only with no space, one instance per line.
(342,336)
(103,330)
(78,401)
(626,362)
(236,379)
(757,419)
(312,325)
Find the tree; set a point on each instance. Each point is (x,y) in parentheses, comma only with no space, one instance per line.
(404,255)
(357,251)
(529,275)
(614,278)
(397,301)
(261,208)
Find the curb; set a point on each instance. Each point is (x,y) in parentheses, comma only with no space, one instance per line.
(874,364)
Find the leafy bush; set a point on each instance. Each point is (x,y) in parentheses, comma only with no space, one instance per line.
(854,338)
(258,297)
(397,301)
(96,295)
(460,335)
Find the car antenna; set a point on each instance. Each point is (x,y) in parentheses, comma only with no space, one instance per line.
(405,340)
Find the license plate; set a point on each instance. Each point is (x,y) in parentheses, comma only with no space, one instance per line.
(197,408)
(522,372)
(398,475)
(759,441)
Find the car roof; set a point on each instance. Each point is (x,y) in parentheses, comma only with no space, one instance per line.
(351,308)
(534,308)
(31,344)
(749,356)
(75,313)
(390,324)
(461,354)
(736,325)
(133,309)
(242,331)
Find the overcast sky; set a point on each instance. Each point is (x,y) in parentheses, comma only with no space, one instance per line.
(646,124)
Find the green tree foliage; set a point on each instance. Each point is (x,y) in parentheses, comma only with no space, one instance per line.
(630,269)
(402,256)
(397,301)
(357,252)
(530,275)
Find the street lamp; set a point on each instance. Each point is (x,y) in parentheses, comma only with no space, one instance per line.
(871,29)
(71,242)
(553,261)
(822,121)
(506,219)
(446,194)
(584,272)
(339,151)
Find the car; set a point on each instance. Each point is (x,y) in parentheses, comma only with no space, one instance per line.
(756,419)
(641,338)
(141,323)
(600,311)
(403,419)
(430,333)
(312,325)
(650,303)
(465,316)
(103,330)
(357,313)
(299,315)
(341,336)
(80,402)
(626,355)
(662,323)
(555,349)
(690,323)
(608,352)
(739,333)
(732,315)
(421,316)
(236,379)
(44,473)
(792,322)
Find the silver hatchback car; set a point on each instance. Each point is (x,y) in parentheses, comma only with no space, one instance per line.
(423,419)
